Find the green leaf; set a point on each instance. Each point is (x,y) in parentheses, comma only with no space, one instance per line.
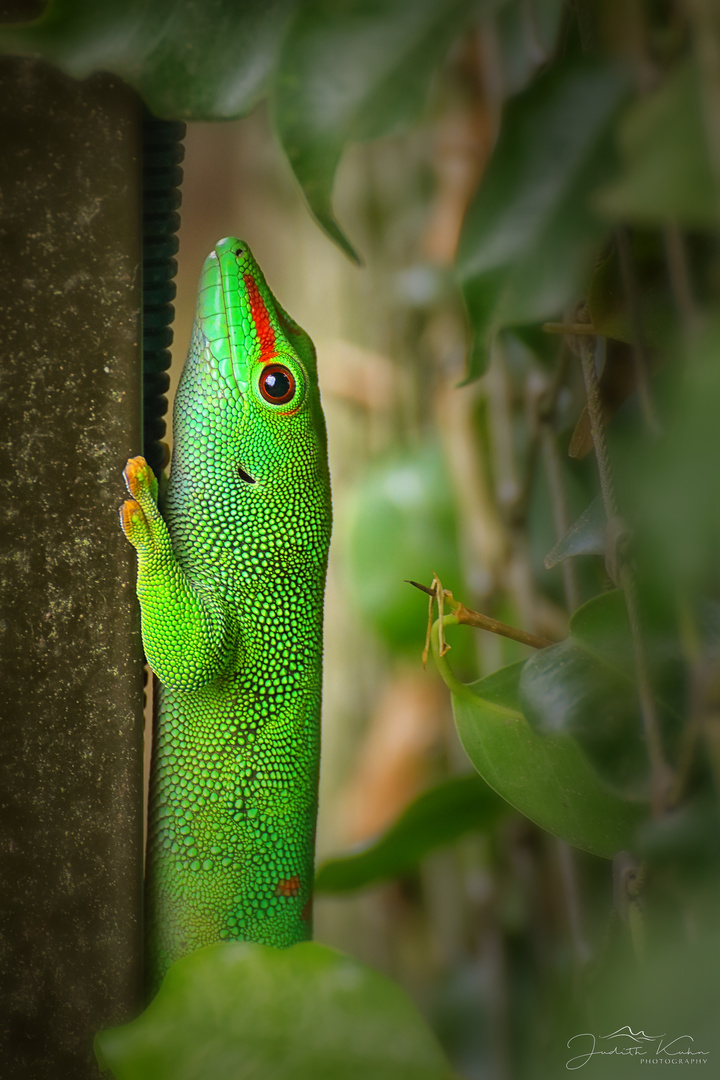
(525,40)
(667,174)
(189,61)
(585,687)
(402,526)
(352,71)
(607,304)
(573,689)
(586,536)
(237,1010)
(438,817)
(676,483)
(686,839)
(546,777)
(530,234)
(672,996)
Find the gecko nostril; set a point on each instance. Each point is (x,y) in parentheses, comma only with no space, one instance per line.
(245,476)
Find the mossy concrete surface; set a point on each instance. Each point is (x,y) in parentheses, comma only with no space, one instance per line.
(71,678)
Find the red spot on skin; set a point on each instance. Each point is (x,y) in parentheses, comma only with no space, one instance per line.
(261,320)
(288,886)
(307,911)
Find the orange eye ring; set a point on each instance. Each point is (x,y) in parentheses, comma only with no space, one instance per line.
(277,384)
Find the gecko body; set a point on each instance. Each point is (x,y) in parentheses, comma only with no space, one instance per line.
(231,576)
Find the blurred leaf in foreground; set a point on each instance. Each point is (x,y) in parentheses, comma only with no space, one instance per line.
(237,1009)
(206,61)
(667,174)
(633,1018)
(530,234)
(438,817)
(665,1008)
(355,71)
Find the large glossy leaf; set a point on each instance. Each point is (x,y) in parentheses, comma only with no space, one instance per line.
(194,61)
(585,687)
(436,818)
(545,777)
(237,1010)
(530,235)
(355,70)
(667,174)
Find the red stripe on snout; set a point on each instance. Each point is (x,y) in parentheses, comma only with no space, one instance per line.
(261,320)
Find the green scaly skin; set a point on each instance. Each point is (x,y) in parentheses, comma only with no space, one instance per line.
(231,575)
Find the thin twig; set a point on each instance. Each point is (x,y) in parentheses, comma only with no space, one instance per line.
(502,435)
(581,948)
(702,666)
(529,468)
(558,501)
(547,406)
(540,406)
(474,618)
(597,426)
(574,328)
(484,622)
(428,632)
(628,883)
(706,17)
(679,275)
(585,25)
(440,597)
(661,775)
(661,778)
(640,360)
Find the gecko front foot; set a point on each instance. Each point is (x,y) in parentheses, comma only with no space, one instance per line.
(186,632)
(140,518)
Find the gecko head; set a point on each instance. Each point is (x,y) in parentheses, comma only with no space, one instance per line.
(258,371)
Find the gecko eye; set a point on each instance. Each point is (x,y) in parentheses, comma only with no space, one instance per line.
(277,384)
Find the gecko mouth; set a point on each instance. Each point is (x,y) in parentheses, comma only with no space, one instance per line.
(245,476)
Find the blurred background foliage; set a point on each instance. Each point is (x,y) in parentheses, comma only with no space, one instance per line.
(522,388)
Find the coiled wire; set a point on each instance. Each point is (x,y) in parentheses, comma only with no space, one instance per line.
(161,178)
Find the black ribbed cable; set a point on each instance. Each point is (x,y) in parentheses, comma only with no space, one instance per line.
(161,176)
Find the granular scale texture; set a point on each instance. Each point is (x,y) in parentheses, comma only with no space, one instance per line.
(231,576)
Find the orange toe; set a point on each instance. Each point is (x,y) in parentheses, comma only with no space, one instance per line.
(136,474)
(130,513)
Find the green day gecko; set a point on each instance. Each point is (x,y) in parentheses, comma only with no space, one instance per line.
(231,576)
